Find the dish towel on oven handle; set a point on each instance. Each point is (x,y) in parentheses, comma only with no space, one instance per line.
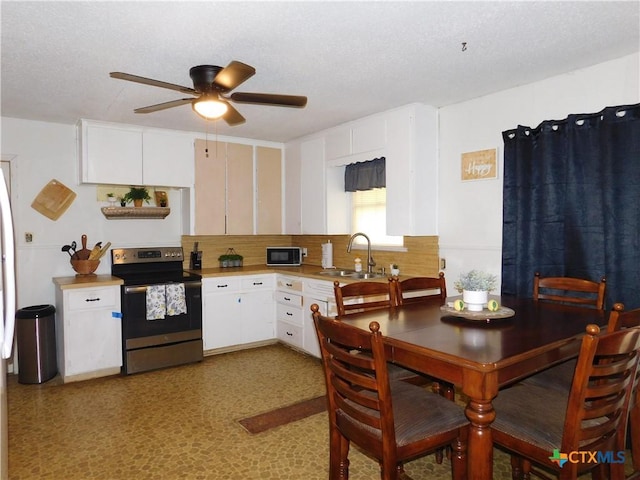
(175,299)
(165,300)
(156,303)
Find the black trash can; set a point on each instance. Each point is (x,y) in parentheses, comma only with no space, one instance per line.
(36,331)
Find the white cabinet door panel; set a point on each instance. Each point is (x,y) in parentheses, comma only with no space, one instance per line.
(167,159)
(313,201)
(111,154)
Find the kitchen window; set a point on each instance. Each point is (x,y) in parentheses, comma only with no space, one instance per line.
(369,215)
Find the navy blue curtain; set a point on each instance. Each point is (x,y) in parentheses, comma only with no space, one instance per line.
(572,203)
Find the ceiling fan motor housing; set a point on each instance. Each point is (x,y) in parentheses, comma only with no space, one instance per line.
(203,77)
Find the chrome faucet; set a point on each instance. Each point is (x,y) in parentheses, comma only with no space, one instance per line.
(370,262)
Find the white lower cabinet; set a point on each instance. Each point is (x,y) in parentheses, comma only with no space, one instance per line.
(237,310)
(294,298)
(289,321)
(88,332)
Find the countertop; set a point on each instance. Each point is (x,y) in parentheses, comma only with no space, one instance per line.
(84,281)
(310,271)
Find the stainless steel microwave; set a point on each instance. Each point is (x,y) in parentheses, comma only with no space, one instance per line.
(284,256)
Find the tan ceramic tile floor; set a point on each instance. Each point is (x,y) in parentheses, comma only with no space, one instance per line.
(181,423)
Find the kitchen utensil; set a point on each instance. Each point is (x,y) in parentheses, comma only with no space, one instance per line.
(67,248)
(95,251)
(53,200)
(85,252)
(103,250)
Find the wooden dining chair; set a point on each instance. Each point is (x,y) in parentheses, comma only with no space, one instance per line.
(362,296)
(424,289)
(620,319)
(536,425)
(420,289)
(391,421)
(577,291)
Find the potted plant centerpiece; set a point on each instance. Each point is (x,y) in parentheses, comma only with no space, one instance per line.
(137,195)
(475,286)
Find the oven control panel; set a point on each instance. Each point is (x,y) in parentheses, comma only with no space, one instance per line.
(146,255)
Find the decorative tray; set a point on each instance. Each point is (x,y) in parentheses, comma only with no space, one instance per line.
(484,316)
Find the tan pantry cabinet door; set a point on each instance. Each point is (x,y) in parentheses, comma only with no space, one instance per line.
(210,187)
(239,189)
(269,190)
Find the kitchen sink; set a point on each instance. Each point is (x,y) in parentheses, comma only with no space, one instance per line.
(337,273)
(366,275)
(351,274)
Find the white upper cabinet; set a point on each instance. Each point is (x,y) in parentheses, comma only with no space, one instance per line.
(356,141)
(167,159)
(129,155)
(313,206)
(368,135)
(110,154)
(412,170)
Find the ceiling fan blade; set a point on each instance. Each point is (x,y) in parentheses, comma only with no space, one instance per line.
(153,83)
(233,75)
(269,99)
(163,106)
(233,117)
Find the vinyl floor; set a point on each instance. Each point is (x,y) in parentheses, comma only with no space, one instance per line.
(183,423)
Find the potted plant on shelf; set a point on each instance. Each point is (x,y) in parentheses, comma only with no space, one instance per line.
(475,286)
(137,195)
(111,198)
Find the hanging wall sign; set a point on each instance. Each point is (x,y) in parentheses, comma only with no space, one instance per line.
(480,165)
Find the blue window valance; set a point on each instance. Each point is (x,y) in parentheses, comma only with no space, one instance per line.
(365,175)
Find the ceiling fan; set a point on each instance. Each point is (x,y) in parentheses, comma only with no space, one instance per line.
(211,87)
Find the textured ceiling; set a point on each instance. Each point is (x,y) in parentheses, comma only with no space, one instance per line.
(350,59)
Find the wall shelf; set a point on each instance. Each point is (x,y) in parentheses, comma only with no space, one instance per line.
(121,213)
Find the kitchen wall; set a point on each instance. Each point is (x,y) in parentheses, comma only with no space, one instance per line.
(470,213)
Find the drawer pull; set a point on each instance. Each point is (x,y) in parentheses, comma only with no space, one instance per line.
(92,299)
(288,299)
(257,284)
(289,284)
(290,334)
(222,286)
(290,314)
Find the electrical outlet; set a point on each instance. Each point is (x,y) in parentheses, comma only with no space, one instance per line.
(443,263)
(304,252)
(28,237)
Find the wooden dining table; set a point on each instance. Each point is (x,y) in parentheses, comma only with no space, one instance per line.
(481,356)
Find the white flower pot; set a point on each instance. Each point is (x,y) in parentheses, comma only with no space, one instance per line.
(475,300)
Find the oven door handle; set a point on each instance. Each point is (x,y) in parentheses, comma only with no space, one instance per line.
(143,288)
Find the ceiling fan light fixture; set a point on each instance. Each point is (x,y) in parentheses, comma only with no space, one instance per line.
(209,108)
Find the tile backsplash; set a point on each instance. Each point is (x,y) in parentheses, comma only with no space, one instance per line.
(420,258)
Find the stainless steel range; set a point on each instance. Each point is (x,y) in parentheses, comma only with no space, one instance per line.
(161,308)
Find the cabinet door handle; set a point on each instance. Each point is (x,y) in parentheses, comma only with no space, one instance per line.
(92,299)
